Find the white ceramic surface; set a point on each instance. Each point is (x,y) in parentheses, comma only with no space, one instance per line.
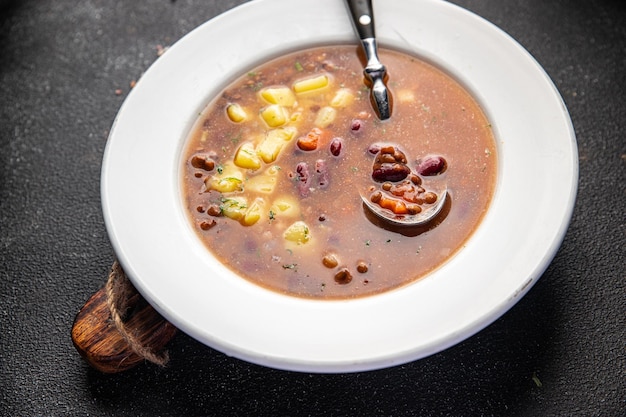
(518,238)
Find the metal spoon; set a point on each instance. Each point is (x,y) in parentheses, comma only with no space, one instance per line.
(362,15)
(427,214)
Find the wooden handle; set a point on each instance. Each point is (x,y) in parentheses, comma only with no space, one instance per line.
(100,343)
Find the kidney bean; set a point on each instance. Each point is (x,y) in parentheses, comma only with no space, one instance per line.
(214,210)
(431,165)
(390,172)
(430,197)
(343,276)
(390,165)
(356,125)
(303,179)
(207,224)
(336,146)
(330,261)
(415,179)
(323,177)
(202,161)
(374,148)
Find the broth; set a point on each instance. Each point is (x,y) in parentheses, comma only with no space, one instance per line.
(274,168)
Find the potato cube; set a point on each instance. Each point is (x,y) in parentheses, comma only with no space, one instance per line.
(273,143)
(246,157)
(285,206)
(275,115)
(405,96)
(228,178)
(234,207)
(343,98)
(298,233)
(313,84)
(325,116)
(281,95)
(263,183)
(254,213)
(236,113)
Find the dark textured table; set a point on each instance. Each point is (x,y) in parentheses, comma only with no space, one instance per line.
(65,68)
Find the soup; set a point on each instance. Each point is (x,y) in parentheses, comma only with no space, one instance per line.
(275,167)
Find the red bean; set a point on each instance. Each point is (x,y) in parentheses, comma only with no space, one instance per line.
(390,165)
(374,148)
(356,125)
(361,267)
(323,177)
(207,224)
(343,276)
(431,165)
(335,146)
(204,162)
(330,261)
(390,172)
(303,178)
(214,210)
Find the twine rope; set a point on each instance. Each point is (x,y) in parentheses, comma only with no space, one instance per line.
(118,291)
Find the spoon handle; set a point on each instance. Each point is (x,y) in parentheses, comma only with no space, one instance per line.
(363,17)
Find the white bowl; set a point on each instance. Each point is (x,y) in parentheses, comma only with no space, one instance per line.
(514,244)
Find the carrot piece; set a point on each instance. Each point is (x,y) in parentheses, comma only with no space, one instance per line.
(311,140)
(397,206)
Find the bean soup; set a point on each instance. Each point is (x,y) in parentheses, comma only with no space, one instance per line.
(276,165)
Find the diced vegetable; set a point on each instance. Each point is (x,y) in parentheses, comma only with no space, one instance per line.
(228,178)
(298,233)
(275,115)
(273,143)
(295,116)
(285,206)
(234,207)
(236,113)
(280,95)
(311,84)
(247,157)
(343,98)
(325,116)
(405,96)
(263,183)
(253,214)
(311,140)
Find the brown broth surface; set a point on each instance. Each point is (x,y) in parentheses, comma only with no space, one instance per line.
(432,115)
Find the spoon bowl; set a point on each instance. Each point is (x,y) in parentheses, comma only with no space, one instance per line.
(428,213)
